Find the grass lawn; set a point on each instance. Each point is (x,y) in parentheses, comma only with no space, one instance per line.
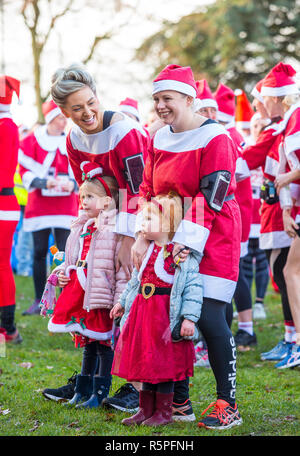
(268,399)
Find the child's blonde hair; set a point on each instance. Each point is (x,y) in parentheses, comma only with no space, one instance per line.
(95,186)
(169,207)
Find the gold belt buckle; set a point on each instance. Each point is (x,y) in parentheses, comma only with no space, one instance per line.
(80,263)
(152,290)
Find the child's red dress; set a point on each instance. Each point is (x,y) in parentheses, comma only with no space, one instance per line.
(69,315)
(145,351)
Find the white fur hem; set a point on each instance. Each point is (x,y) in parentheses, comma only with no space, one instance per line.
(75,327)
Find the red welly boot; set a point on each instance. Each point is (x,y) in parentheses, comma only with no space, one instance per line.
(147,407)
(163,410)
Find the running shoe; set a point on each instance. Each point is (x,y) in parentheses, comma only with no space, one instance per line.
(258,311)
(64,393)
(243,338)
(34,309)
(126,399)
(292,359)
(183,412)
(223,416)
(279,352)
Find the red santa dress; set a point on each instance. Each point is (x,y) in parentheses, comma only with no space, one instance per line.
(94,324)
(145,351)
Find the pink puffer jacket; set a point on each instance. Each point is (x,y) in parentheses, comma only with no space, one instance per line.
(102,284)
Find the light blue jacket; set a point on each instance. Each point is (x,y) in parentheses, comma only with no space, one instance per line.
(186,295)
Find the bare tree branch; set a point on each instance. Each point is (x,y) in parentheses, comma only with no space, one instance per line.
(97,40)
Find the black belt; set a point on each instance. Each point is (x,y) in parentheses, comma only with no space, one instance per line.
(149,289)
(7,191)
(81,264)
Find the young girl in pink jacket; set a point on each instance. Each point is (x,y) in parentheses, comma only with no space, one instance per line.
(91,285)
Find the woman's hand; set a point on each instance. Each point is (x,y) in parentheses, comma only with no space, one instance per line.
(116,311)
(187,328)
(63,280)
(282,180)
(123,259)
(68,186)
(289,223)
(138,251)
(51,183)
(180,252)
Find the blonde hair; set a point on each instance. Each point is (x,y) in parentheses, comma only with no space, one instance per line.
(95,186)
(171,213)
(69,80)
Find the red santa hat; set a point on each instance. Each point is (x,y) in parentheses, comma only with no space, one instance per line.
(225,99)
(175,77)
(243,110)
(280,81)
(90,171)
(256,91)
(205,95)
(130,105)
(50,111)
(8,86)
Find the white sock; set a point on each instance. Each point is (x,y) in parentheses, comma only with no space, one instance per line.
(290,334)
(246,326)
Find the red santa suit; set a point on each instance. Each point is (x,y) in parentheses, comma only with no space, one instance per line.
(178,161)
(9,207)
(43,156)
(118,150)
(265,154)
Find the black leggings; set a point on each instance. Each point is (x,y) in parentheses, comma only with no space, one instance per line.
(164,387)
(277,259)
(242,296)
(40,250)
(221,351)
(261,268)
(97,359)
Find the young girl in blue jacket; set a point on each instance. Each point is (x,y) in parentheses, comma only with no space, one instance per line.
(160,306)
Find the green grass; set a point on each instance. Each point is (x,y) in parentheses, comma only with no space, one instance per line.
(268,399)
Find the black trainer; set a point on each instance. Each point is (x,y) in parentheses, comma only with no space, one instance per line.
(243,338)
(64,393)
(126,399)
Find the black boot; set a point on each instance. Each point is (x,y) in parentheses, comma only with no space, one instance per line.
(83,389)
(8,323)
(101,387)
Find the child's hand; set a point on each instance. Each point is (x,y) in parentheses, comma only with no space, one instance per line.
(187,328)
(63,280)
(116,311)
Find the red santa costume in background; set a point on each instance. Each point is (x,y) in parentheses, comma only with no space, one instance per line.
(118,149)
(204,98)
(272,238)
(243,114)
(280,82)
(9,207)
(130,107)
(42,158)
(226,115)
